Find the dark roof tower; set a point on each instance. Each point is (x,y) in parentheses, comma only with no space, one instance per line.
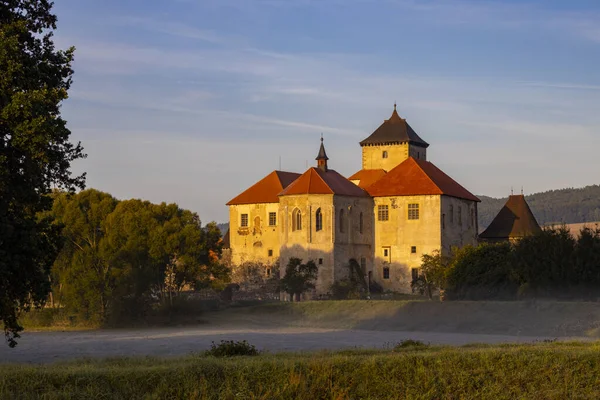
(394,130)
(322,157)
(515,220)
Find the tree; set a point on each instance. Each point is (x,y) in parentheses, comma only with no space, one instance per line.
(299,277)
(433,273)
(35,154)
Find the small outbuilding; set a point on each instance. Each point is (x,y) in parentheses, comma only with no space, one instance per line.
(514,221)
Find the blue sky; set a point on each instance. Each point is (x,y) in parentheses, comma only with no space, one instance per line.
(193,101)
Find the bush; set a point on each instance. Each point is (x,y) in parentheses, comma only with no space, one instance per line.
(410,344)
(230,348)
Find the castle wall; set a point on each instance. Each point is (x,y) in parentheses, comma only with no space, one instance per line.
(399,234)
(372,156)
(460,227)
(255,242)
(330,248)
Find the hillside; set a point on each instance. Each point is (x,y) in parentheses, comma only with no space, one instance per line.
(555,206)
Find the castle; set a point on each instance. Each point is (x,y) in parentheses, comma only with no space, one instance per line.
(398,207)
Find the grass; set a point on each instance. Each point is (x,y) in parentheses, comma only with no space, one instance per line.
(539,371)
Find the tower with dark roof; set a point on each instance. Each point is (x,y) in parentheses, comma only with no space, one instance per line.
(513,222)
(390,144)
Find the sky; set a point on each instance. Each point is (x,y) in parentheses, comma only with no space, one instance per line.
(194,101)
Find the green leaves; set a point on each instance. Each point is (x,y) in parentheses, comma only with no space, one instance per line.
(35,154)
(299,277)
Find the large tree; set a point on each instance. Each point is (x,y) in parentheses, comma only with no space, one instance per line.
(35,153)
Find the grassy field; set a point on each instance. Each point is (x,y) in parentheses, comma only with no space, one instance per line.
(519,318)
(540,371)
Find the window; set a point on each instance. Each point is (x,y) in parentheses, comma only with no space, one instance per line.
(270,253)
(460,216)
(382,213)
(472,217)
(320,261)
(360,223)
(244,222)
(268,271)
(413,250)
(386,273)
(387,254)
(319,220)
(443,221)
(451,214)
(415,274)
(272,219)
(384,154)
(413,211)
(418,155)
(342,215)
(363,264)
(296,220)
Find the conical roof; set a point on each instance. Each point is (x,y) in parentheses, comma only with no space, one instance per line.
(394,130)
(322,155)
(514,220)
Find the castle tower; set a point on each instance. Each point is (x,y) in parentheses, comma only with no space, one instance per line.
(322,157)
(393,142)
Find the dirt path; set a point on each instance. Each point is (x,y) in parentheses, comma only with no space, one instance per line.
(44,347)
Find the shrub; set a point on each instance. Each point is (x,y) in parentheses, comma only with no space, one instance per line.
(230,348)
(410,344)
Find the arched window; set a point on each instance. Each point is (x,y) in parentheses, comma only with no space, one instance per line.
(384,154)
(342,216)
(296,220)
(318,220)
(360,223)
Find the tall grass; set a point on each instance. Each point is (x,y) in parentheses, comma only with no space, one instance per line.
(542,371)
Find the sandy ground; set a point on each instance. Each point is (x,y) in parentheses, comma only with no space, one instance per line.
(45,347)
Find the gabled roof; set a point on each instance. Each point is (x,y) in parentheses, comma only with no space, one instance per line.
(367,177)
(265,190)
(418,177)
(317,181)
(514,220)
(394,130)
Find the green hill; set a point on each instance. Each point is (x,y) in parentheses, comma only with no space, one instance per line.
(552,207)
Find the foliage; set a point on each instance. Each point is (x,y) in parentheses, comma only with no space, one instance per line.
(120,257)
(410,344)
(35,154)
(540,371)
(352,286)
(551,263)
(298,277)
(230,348)
(432,274)
(485,271)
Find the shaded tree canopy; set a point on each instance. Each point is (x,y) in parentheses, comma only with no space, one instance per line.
(299,277)
(35,153)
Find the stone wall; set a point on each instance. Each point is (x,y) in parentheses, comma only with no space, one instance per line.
(372,156)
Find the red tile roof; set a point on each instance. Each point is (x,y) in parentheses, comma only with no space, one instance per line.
(367,177)
(418,177)
(317,181)
(514,220)
(265,190)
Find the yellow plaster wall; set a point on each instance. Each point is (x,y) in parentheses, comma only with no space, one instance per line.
(335,248)
(399,234)
(252,244)
(372,156)
(456,232)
